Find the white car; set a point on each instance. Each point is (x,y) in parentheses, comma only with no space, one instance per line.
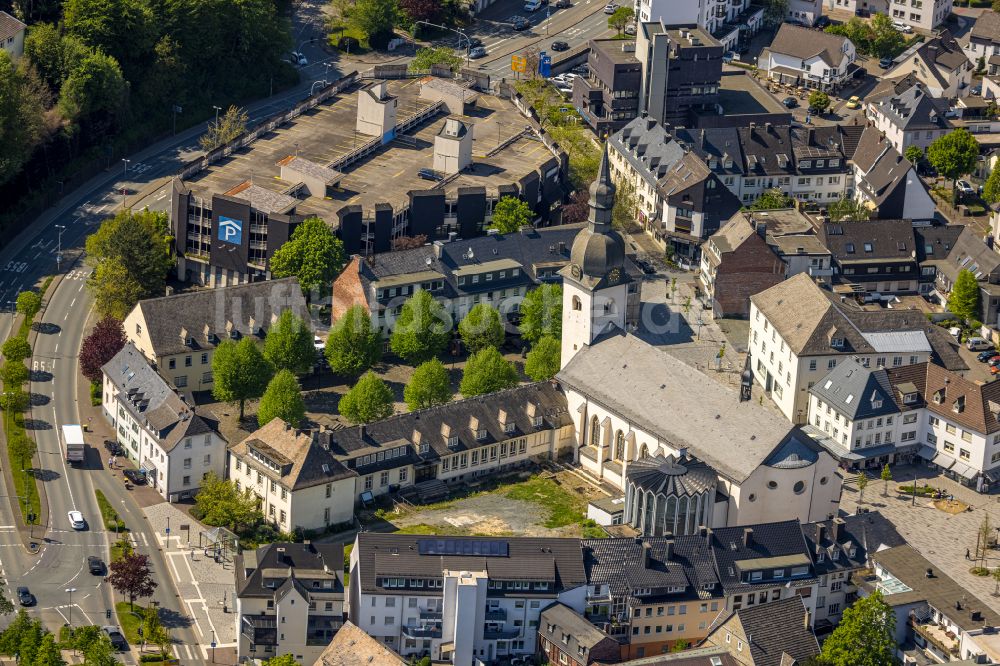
(902,27)
(76,520)
(964,187)
(610,8)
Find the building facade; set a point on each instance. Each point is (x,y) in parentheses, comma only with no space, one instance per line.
(804,57)
(608,97)
(12,35)
(736,263)
(681,70)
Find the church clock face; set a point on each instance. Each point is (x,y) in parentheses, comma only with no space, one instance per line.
(575,270)
(615,275)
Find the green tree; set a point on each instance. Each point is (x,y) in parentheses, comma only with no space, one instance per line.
(510,214)
(10,638)
(865,635)
(996,6)
(375,18)
(221,504)
(51,54)
(313,254)
(543,360)
(100,652)
(48,653)
(775,11)
(289,344)
(963,301)
(953,155)
(913,154)
(21,448)
(541,313)
(283,660)
(153,630)
(115,291)
(31,640)
(229,126)
(240,372)
(94,86)
(886,477)
(14,373)
(846,208)
(771,199)
(139,242)
(16,349)
(369,400)
(862,482)
(282,400)
(6,605)
(15,401)
(123,29)
(486,372)
(482,327)
(428,57)
(28,304)
(996,572)
(422,330)
(429,386)
(819,101)
(621,18)
(884,41)
(20,118)
(991,189)
(624,210)
(353,345)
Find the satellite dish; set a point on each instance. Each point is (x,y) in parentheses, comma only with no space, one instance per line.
(471,253)
(428,261)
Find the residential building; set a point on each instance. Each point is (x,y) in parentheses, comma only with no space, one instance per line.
(873,256)
(12,35)
(736,263)
(498,269)
(568,638)
(937,620)
(680,202)
(681,70)
(459,599)
(352,647)
(925,16)
(772,635)
(886,182)
(161,430)
(804,57)
(906,114)
(934,244)
(840,547)
(804,12)
(289,599)
(971,252)
(730,23)
(179,333)
(791,235)
(984,42)
(939,63)
(299,484)
(789,355)
(608,97)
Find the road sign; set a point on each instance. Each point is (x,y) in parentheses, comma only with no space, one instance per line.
(168,531)
(518,63)
(544,64)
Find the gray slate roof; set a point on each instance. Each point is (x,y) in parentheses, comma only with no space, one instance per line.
(583,636)
(660,387)
(834,539)
(869,240)
(856,391)
(912,107)
(208,315)
(777,629)
(986,28)
(303,561)
(152,400)
(805,43)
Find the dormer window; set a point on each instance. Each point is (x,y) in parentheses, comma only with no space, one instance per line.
(939,396)
(727,163)
(425,448)
(876,401)
(805,164)
(849,248)
(869,248)
(453,441)
(508,427)
(481,434)
(909,398)
(959,405)
(837,343)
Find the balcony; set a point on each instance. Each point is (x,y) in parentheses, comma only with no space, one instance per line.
(427,631)
(260,629)
(944,641)
(500,634)
(320,629)
(430,615)
(496,615)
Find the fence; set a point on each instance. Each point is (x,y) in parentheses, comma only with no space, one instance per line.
(269,125)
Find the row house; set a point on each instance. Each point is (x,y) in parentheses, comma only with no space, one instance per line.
(777,634)
(979,256)
(737,262)
(173,441)
(874,256)
(984,43)
(788,356)
(289,600)
(886,183)
(498,269)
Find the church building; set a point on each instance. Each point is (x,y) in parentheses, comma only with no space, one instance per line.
(681,446)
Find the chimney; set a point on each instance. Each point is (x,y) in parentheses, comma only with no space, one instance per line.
(668,551)
(761,228)
(807,620)
(362,432)
(415,438)
(820,534)
(747,536)
(835,529)
(647,555)
(708,536)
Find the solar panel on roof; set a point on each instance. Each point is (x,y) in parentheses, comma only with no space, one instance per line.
(477,548)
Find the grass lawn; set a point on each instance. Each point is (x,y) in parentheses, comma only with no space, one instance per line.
(564,509)
(441,530)
(131,620)
(108,514)
(25,486)
(334,37)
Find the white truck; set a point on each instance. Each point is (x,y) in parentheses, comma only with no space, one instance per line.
(73,445)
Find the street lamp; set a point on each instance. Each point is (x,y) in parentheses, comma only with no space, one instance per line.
(217,109)
(70,591)
(213,646)
(61,229)
(124,186)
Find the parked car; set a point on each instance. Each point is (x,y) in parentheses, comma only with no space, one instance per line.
(114,448)
(560,45)
(630,29)
(994,370)
(854,102)
(886,62)
(477,52)
(902,27)
(583,70)
(986,355)
(977,344)
(790,102)
(994,360)
(76,520)
(520,23)
(25,597)
(976,90)
(532,5)
(118,641)
(964,188)
(730,56)
(474,42)
(610,8)
(135,476)
(95,565)
(563,4)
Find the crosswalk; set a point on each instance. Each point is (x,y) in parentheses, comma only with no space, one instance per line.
(188,653)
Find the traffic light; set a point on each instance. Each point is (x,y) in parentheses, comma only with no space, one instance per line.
(107,614)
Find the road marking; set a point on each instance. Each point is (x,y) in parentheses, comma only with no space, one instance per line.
(56,350)
(62,458)
(72,303)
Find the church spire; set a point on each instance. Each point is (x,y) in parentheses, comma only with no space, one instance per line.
(602,197)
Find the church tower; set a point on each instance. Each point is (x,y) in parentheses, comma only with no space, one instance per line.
(595,284)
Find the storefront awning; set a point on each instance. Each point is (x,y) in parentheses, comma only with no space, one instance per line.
(943,461)
(964,470)
(927,452)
